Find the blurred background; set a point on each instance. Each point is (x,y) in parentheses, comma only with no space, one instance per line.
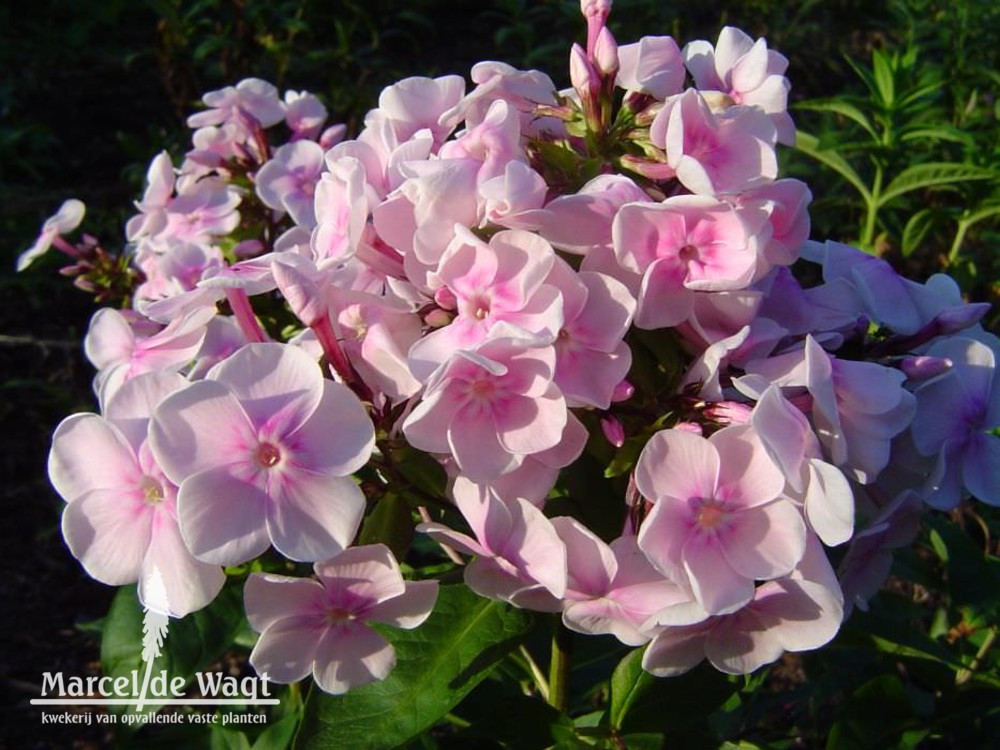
(90,91)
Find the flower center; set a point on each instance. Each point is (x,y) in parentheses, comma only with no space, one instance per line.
(688,253)
(711,515)
(483,388)
(336,615)
(152,491)
(267,455)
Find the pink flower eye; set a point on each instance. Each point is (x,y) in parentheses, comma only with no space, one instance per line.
(711,515)
(152,490)
(267,455)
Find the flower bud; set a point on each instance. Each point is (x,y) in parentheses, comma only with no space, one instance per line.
(613,430)
(622,392)
(924,368)
(606,53)
(582,74)
(301,293)
(729,412)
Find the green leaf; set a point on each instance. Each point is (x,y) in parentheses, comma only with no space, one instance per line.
(228,739)
(391,524)
(932,174)
(885,79)
(437,665)
(937,133)
(843,108)
(278,735)
(916,230)
(628,682)
(809,145)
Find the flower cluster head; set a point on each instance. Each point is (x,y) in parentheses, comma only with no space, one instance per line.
(514,282)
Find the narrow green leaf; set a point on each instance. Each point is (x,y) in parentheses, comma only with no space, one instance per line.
(228,739)
(809,145)
(982,213)
(937,133)
(916,230)
(840,107)
(932,174)
(437,665)
(885,79)
(628,682)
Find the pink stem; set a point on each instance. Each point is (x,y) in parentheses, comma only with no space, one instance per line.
(327,337)
(240,302)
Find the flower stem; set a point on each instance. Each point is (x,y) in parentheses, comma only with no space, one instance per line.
(964,675)
(559,666)
(239,301)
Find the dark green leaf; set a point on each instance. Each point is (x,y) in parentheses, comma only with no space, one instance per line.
(922,176)
(840,107)
(437,665)
(391,524)
(916,230)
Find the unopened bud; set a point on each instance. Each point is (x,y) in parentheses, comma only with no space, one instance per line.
(957,319)
(613,430)
(582,74)
(301,293)
(445,298)
(437,318)
(693,427)
(606,54)
(729,412)
(654,170)
(622,392)
(924,368)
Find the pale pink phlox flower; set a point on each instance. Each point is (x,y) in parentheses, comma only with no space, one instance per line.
(515,198)
(613,588)
(287,182)
(320,626)
(956,417)
(65,220)
(786,203)
(582,222)
(799,612)
(120,520)
(262,451)
(525,90)
(857,407)
(491,405)
(651,66)
(343,202)
(120,352)
(201,210)
(591,355)
(868,561)
(223,338)
(233,104)
(495,142)
(828,311)
(821,487)
(418,103)
(518,555)
(152,217)
(719,520)
(485,284)
(685,244)
(419,218)
(214,147)
(172,267)
(715,153)
(377,333)
(304,115)
(745,71)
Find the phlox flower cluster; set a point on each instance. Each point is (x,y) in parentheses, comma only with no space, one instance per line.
(517,282)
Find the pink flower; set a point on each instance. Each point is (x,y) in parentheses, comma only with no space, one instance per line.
(304,115)
(747,72)
(65,220)
(321,626)
(417,103)
(718,521)
(262,451)
(591,357)
(519,557)
(715,153)
(685,244)
(486,284)
(490,406)
(799,612)
(652,66)
(120,520)
(251,96)
(613,588)
(288,181)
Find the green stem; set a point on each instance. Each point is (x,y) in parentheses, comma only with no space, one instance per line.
(868,237)
(559,666)
(964,675)
(536,672)
(956,245)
